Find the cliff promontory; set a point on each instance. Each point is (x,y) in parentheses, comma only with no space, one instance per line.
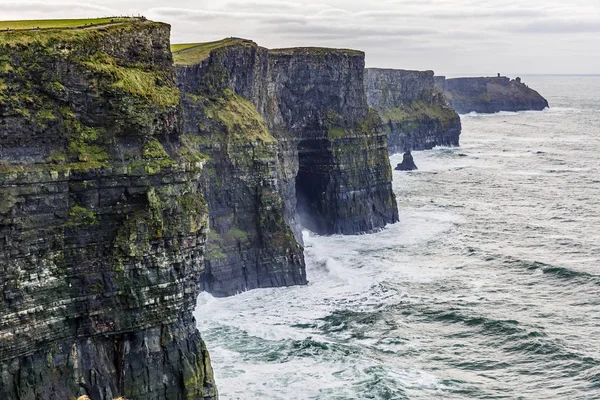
(248,179)
(489,95)
(415,115)
(102,221)
(289,140)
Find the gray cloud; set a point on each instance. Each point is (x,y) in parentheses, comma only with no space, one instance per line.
(356,31)
(448,35)
(42,9)
(562,26)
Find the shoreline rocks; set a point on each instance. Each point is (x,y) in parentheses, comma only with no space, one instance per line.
(407,164)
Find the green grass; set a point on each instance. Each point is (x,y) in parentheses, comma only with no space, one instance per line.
(418,111)
(193,53)
(151,85)
(335,133)
(240,119)
(60,23)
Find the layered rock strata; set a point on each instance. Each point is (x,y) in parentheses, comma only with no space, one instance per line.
(490,95)
(415,115)
(288,137)
(102,221)
(248,179)
(344,179)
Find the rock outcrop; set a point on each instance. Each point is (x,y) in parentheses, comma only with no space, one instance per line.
(103,224)
(289,138)
(489,95)
(407,164)
(415,115)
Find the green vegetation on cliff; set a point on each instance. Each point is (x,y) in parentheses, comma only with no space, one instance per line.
(240,119)
(61,23)
(417,111)
(152,84)
(193,53)
(37,67)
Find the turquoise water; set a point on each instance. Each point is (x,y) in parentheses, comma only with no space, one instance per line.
(488,288)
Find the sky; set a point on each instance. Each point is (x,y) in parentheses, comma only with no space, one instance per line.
(451,37)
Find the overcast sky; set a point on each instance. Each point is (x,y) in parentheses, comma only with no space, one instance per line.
(449,36)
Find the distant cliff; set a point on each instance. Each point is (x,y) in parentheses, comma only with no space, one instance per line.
(102,223)
(489,95)
(415,116)
(288,138)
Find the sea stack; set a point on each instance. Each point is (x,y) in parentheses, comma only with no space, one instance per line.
(407,164)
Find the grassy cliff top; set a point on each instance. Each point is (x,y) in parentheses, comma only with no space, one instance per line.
(316,51)
(62,23)
(65,30)
(193,53)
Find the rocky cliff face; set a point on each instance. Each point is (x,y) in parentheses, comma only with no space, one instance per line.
(415,115)
(248,179)
(344,179)
(288,136)
(490,95)
(102,221)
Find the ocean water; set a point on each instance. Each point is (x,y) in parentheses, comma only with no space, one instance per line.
(488,288)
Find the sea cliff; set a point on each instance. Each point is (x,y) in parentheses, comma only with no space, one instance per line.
(249,176)
(415,115)
(103,223)
(129,183)
(489,94)
(290,141)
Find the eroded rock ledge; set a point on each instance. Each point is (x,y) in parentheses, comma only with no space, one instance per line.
(289,139)
(102,220)
(415,115)
(489,95)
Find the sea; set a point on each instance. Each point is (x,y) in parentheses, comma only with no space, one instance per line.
(487,288)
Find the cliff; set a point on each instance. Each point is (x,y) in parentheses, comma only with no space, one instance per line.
(490,95)
(415,116)
(102,220)
(289,138)
(248,179)
(344,178)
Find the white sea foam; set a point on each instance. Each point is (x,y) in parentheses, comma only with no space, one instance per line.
(443,304)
